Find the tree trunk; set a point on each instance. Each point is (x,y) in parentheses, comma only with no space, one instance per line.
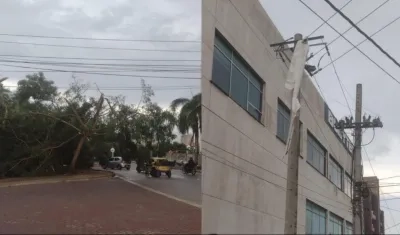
(196,142)
(76,154)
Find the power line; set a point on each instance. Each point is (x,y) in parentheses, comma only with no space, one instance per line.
(103,48)
(333,15)
(369,58)
(108,74)
(132,88)
(362,19)
(373,171)
(272,154)
(99,39)
(95,64)
(363,33)
(340,84)
(356,46)
(89,58)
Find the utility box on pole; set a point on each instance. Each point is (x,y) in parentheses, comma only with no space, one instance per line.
(359,187)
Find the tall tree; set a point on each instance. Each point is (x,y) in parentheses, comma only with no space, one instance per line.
(189,117)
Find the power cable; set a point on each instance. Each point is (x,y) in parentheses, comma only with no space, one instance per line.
(89,58)
(41,62)
(272,154)
(106,74)
(372,168)
(340,84)
(369,58)
(103,48)
(363,33)
(356,46)
(128,88)
(98,39)
(233,165)
(362,19)
(333,15)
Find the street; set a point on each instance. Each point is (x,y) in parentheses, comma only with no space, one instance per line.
(100,206)
(186,187)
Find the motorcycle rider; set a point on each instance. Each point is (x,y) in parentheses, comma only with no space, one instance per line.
(190,165)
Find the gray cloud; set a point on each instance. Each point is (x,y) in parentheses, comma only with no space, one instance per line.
(128,19)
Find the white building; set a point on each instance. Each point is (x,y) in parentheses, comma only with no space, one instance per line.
(245,125)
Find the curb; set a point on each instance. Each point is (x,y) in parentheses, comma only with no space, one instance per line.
(50,181)
(159,192)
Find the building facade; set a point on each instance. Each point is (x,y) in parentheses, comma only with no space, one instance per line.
(373,216)
(245,121)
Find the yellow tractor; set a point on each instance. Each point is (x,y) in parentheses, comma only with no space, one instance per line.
(157,166)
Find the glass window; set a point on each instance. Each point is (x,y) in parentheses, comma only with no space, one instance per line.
(239,85)
(283,121)
(335,173)
(315,219)
(235,78)
(348,185)
(335,224)
(316,154)
(221,70)
(349,228)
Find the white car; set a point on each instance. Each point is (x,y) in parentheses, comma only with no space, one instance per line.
(117,163)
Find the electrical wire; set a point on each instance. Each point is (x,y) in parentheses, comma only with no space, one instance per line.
(103,48)
(106,74)
(333,15)
(369,58)
(233,165)
(126,88)
(356,46)
(373,137)
(363,33)
(99,39)
(272,154)
(91,58)
(373,171)
(340,84)
(41,62)
(348,29)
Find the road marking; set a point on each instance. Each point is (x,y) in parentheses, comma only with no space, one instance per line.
(159,192)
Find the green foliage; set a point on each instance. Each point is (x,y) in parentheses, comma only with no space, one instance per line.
(40,128)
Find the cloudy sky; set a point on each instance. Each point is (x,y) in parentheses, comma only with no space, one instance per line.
(380,92)
(179,21)
(165,43)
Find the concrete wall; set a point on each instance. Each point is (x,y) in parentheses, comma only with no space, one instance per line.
(243,161)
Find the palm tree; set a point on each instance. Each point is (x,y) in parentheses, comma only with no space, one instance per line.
(189,117)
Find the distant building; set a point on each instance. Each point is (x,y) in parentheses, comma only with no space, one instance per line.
(373,216)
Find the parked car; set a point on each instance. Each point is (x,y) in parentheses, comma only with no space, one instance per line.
(117,163)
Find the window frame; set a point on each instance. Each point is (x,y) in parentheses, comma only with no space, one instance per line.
(335,220)
(238,63)
(320,212)
(332,161)
(281,109)
(315,143)
(345,180)
(347,226)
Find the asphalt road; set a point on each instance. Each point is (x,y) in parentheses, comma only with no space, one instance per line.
(186,187)
(101,206)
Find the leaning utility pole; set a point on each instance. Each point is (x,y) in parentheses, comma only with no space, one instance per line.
(359,188)
(293,83)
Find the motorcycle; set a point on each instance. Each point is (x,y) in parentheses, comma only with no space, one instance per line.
(189,170)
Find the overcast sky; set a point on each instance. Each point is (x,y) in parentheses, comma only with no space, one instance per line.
(118,19)
(380,93)
(179,20)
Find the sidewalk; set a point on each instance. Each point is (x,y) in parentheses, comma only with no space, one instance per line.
(80,176)
(108,206)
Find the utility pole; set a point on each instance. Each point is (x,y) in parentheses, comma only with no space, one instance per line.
(295,74)
(359,188)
